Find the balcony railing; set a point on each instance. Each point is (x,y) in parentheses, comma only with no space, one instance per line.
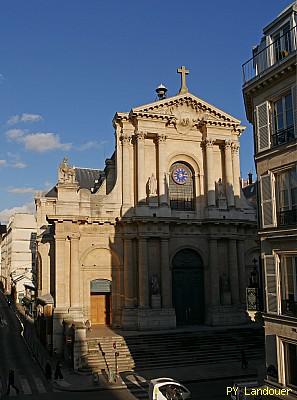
(283,136)
(271,55)
(287,218)
(289,307)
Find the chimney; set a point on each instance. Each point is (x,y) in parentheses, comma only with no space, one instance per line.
(250,178)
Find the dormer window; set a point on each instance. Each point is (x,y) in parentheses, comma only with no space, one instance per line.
(282,44)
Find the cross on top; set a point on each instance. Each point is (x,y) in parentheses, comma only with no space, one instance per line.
(183,72)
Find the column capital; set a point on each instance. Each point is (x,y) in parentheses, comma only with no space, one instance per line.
(60,237)
(208,143)
(140,136)
(161,138)
(125,139)
(74,236)
(235,147)
(228,144)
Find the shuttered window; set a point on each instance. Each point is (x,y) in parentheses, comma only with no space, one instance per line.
(270,266)
(263,126)
(267,187)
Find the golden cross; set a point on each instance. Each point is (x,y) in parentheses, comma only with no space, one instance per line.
(183,72)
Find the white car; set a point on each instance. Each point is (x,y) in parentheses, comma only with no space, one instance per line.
(167,389)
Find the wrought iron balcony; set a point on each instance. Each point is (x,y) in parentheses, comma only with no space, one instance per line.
(283,136)
(287,218)
(289,307)
(270,56)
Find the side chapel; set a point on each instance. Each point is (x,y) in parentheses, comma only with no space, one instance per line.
(163,235)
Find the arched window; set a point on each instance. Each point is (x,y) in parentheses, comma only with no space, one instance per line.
(181,187)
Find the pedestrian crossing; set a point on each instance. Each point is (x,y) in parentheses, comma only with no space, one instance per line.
(27,386)
(137,386)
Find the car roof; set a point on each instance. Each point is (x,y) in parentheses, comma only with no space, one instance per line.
(162,380)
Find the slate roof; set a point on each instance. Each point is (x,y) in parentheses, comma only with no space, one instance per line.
(250,193)
(85,177)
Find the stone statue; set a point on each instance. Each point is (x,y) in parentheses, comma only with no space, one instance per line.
(152,185)
(225,285)
(155,287)
(66,172)
(220,189)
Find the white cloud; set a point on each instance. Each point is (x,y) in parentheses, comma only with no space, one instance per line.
(19,165)
(92,144)
(25,117)
(15,134)
(2,162)
(39,141)
(22,190)
(42,142)
(8,212)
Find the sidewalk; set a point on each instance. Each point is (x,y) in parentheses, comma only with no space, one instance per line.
(197,373)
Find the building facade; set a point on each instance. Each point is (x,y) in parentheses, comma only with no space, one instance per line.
(18,254)
(270,96)
(163,235)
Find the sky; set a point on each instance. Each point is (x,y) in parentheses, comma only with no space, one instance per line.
(67,66)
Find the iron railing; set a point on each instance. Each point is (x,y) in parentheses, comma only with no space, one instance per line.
(283,136)
(273,54)
(289,307)
(287,218)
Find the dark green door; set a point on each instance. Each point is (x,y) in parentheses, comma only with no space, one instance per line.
(188,288)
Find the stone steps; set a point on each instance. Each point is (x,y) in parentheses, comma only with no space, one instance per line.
(175,349)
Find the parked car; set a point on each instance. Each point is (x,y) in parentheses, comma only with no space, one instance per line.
(167,389)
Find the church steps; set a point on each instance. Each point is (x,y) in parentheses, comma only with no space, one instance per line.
(165,350)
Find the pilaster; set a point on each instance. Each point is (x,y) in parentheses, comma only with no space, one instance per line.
(229,174)
(233,271)
(236,173)
(143,282)
(141,189)
(211,196)
(162,181)
(166,275)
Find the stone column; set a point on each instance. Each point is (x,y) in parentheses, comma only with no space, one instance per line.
(211,195)
(166,275)
(229,174)
(162,181)
(214,271)
(60,275)
(236,173)
(74,272)
(126,170)
(141,183)
(241,270)
(233,271)
(128,274)
(143,281)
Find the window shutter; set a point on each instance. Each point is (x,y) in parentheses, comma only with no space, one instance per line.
(270,284)
(267,183)
(263,126)
(294,100)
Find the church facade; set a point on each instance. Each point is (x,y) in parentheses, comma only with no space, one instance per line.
(163,236)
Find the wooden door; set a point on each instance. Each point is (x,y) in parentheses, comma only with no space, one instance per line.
(98,309)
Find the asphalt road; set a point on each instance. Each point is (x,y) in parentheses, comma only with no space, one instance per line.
(29,378)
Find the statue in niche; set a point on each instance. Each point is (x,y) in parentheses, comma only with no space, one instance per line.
(225,284)
(155,287)
(152,185)
(220,189)
(66,172)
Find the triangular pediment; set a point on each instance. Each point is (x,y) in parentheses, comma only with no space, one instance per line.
(184,105)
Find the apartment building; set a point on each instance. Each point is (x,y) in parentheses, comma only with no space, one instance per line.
(270,97)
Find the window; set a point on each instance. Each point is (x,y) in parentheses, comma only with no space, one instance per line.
(282,45)
(291,364)
(283,120)
(288,270)
(181,187)
(286,184)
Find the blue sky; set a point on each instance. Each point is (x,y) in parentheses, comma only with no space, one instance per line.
(66,67)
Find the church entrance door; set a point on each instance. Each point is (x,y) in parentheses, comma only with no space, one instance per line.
(188,287)
(100,299)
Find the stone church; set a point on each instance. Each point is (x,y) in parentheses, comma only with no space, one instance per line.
(163,235)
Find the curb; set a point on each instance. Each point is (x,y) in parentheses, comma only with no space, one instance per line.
(124,386)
